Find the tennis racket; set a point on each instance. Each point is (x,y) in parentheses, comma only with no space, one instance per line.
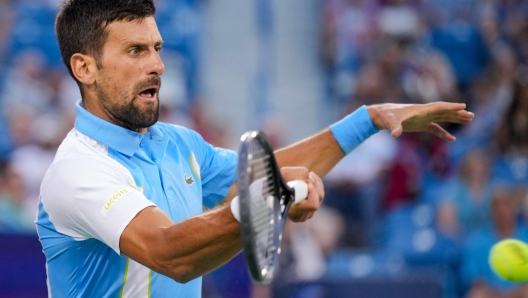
(264,199)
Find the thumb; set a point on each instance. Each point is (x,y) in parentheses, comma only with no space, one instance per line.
(395,126)
(396,131)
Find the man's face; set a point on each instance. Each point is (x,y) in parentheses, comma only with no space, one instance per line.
(128,79)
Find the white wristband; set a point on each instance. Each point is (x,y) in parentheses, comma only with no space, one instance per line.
(235,208)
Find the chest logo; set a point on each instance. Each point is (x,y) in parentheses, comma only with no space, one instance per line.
(189,180)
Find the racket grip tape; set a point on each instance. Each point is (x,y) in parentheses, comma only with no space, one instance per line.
(235,208)
(301,190)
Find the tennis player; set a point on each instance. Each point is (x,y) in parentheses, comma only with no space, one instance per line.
(120,211)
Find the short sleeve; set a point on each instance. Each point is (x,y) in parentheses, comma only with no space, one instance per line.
(86,198)
(217,166)
(218,174)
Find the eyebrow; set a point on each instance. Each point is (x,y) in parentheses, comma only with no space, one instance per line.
(143,45)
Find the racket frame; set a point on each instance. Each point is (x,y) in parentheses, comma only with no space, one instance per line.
(283,196)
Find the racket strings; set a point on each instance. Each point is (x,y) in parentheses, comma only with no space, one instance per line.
(263,211)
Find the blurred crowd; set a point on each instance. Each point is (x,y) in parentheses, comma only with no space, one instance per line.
(426,200)
(392,204)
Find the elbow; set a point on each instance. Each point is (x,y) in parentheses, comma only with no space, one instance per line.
(181,273)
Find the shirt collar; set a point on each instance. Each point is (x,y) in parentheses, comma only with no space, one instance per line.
(114,136)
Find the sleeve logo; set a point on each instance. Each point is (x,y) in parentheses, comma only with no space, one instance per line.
(113,199)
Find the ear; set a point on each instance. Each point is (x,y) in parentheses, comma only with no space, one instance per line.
(84,68)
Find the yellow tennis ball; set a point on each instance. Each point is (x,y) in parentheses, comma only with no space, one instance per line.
(509,260)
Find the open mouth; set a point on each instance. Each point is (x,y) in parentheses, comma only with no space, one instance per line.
(149,93)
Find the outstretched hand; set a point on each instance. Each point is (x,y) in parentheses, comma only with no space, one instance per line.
(419,117)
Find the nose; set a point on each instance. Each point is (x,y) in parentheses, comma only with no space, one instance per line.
(155,64)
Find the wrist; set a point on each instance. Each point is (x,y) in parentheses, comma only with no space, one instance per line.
(374,115)
(355,128)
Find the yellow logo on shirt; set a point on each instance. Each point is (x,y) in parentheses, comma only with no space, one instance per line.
(112,199)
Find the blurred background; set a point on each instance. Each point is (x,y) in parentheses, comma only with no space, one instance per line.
(407,217)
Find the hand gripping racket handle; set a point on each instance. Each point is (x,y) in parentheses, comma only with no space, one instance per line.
(301,193)
(301,190)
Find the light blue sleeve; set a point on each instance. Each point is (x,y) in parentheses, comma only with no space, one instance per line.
(218,166)
(218,173)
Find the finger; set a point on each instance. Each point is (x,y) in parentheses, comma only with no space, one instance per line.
(442,106)
(438,131)
(457,117)
(301,217)
(394,124)
(311,203)
(397,131)
(452,119)
(318,185)
(295,173)
(308,216)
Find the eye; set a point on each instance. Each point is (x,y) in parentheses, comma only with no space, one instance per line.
(133,51)
(159,49)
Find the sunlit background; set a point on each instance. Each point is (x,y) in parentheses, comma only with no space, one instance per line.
(407,217)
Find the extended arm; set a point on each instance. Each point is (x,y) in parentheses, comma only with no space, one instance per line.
(322,151)
(319,153)
(185,250)
(198,245)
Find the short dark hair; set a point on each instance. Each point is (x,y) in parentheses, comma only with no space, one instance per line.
(81,24)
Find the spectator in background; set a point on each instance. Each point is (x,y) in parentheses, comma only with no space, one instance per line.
(477,276)
(392,60)
(454,29)
(405,173)
(512,24)
(214,132)
(465,203)
(432,79)
(512,137)
(370,87)
(306,246)
(354,187)
(490,96)
(348,29)
(305,249)
(6,22)
(25,83)
(33,160)
(13,216)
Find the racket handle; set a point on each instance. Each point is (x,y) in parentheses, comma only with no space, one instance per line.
(301,190)
(235,208)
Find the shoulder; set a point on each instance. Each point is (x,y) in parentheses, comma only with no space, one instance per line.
(80,159)
(179,133)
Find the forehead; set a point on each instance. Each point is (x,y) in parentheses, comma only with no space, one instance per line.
(135,31)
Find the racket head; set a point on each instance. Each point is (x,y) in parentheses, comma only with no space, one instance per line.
(264,203)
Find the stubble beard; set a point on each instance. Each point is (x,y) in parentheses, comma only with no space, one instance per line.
(128,114)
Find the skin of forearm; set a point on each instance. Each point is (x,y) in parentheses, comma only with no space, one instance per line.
(199,245)
(319,153)
(203,251)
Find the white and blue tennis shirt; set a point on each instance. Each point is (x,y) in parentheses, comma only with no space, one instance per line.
(102,176)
